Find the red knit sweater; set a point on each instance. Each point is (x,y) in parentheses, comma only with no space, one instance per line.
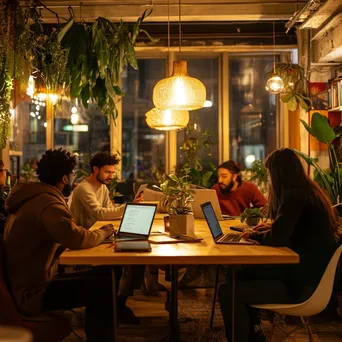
(235,202)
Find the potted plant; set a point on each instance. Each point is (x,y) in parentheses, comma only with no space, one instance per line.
(177,198)
(252,216)
(257,174)
(331,178)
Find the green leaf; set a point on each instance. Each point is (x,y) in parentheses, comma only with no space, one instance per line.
(292,103)
(321,129)
(311,161)
(64,30)
(286,97)
(85,94)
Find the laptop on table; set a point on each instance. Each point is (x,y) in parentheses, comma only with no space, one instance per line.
(216,230)
(136,223)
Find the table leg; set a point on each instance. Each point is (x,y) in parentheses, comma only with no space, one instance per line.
(115,307)
(233,302)
(173,314)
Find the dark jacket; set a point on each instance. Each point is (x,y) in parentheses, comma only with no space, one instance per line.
(38,229)
(302,225)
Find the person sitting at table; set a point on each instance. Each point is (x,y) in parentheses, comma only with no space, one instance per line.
(234,194)
(303,220)
(91,203)
(39,228)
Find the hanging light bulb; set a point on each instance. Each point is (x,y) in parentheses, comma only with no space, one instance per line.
(275,84)
(74,118)
(167,120)
(179,91)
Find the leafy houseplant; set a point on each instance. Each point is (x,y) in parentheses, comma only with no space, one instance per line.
(330,179)
(177,198)
(201,173)
(258,174)
(252,216)
(294,86)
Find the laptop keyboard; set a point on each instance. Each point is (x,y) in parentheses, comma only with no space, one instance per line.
(231,237)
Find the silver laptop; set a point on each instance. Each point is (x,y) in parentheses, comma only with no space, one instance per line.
(136,222)
(202,196)
(216,230)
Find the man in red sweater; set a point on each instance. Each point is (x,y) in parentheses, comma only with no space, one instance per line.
(234,194)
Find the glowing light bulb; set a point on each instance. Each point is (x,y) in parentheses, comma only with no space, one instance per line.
(208,103)
(74,118)
(275,85)
(74,110)
(30,86)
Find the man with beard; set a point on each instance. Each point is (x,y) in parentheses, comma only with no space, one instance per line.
(38,229)
(234,194)
(91,203)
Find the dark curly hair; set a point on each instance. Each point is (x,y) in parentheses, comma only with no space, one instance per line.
(101,159)
(233,167)
(54,164)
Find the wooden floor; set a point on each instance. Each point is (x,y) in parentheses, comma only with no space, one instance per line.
(194,316)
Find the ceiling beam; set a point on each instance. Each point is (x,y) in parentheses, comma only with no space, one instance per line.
(191,10)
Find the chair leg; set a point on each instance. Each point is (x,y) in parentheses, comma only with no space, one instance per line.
(274,323)
(308,330)
(215,294)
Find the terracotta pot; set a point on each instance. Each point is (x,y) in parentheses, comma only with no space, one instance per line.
(182,224)
(252,221)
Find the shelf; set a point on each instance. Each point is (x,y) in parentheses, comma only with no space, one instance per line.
(334,22)
(336,109)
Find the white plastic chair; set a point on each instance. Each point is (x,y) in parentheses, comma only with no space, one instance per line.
(314,305)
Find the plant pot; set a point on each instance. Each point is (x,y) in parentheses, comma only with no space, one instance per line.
(182,224)
(252,221)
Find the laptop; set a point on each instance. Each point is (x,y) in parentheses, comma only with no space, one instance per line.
(202,196)
(216,230)
(136,222)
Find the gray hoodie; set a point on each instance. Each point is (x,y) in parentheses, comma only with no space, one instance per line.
(38,229)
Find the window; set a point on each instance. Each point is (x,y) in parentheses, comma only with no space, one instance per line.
(203,122)
(80,130)
(143,148)
(252,109)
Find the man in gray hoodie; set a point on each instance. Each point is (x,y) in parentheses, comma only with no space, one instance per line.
(39,228)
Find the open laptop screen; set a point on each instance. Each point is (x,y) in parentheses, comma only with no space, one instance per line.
(138,218)
(212,221)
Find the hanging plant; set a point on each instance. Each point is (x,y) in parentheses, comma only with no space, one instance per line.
(294,86)
(85,60)
(97,55)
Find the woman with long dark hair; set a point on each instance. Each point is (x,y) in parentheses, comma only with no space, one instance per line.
(302,219)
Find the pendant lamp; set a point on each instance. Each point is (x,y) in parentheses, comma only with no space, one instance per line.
(167,119)
(179,91)
(275,84)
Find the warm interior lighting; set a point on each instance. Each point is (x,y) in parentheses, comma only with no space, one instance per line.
(30,86)
(208,104)
(179,91)
(74,118)
(167,120)
(275,84)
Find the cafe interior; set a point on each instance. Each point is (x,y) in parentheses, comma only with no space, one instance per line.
(175,88)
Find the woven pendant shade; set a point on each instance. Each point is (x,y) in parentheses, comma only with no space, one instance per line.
(179,91)
(167,120)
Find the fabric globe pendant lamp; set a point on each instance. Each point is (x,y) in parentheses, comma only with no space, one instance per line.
(179,91)
(167,119)
(275,84)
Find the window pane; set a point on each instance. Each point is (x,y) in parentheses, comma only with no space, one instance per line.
(252,109)
(85,131)
(28,137)
(143,148)
(203,122)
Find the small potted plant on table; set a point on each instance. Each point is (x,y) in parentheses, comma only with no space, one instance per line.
(252,216)
(177,199)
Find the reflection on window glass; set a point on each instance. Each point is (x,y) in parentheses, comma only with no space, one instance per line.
(28,136)
(197,145)
(79,130)
(143,148)
(252,109)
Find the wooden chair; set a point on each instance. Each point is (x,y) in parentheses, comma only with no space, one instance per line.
(54,329)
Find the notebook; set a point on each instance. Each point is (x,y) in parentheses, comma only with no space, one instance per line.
(216,230)
(136,222)
(206,195)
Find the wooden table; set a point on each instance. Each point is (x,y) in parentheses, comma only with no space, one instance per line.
(205,252)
